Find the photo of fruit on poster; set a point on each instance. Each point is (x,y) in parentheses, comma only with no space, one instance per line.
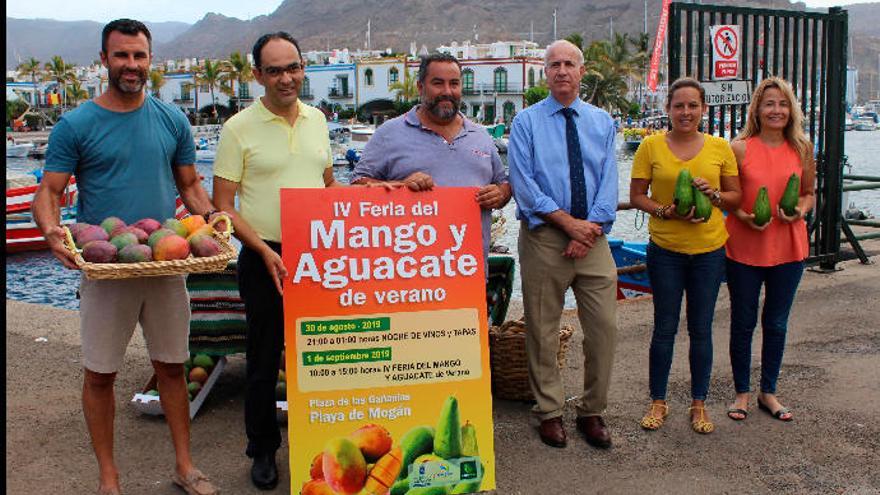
(387,342)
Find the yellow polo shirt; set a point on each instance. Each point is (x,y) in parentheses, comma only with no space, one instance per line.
(655,162)
(263,153)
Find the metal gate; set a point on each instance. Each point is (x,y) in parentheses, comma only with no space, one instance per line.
(807,49)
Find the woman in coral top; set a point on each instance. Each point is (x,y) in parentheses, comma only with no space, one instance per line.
(685,255)
(771,148)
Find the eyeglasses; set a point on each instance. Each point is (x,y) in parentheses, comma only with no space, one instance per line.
(273,71)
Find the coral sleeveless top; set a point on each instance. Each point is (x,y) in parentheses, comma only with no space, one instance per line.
(780,242)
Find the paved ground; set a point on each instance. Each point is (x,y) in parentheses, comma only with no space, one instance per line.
(830,379)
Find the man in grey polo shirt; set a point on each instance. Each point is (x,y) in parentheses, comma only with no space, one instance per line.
(434,144)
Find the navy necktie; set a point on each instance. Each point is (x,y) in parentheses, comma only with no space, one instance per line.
(576,167)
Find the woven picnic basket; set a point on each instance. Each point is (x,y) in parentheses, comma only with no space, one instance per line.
(509,363)
(191,264)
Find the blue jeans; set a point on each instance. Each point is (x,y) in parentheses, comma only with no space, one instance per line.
(673,274)
(744,283)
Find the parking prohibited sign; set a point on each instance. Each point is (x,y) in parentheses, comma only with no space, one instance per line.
(725,51)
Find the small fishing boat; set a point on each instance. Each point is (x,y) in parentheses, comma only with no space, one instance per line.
(632,274)
(18,150)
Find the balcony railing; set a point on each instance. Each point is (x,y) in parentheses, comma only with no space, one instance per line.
(338,93)
(182,98)
(489,88)
(306,95)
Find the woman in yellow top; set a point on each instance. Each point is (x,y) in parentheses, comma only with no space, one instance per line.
(686,254)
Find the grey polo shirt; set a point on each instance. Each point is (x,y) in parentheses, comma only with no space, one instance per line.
(402,146)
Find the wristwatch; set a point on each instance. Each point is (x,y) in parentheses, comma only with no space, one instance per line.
(716,197)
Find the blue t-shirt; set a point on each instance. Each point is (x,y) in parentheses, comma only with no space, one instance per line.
(122,160)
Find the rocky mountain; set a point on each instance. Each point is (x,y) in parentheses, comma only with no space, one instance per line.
(76,42)
(395,24)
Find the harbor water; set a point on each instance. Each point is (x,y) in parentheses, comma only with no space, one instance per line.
(38,278)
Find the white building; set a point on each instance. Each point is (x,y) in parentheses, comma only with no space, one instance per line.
(493,88)
(332,84)
(375,76)
(498,49)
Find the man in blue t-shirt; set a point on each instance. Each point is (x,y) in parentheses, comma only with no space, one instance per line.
(128,151)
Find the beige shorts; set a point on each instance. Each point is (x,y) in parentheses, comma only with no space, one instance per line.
(110,309)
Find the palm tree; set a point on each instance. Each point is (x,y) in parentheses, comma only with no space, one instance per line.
(76,93)
(605,82)
(406,90)
(576,40)
(212,76)
(240,71)
(61,72)
(157,80)
(31,67)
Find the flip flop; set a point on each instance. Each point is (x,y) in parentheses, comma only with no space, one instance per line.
(776,414)
(735,410)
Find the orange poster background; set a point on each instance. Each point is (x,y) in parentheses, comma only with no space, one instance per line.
(310,299)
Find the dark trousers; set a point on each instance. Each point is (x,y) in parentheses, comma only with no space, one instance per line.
(744,283)
(672,276)
(265,340)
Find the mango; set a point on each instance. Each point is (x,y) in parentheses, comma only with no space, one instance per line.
(135,253)
(382,475)
(345,468)
(140,234)
(124,239)
(90,233)
(469,440)
(316,471)
(157,235)
(99,252)
(204,229)
(176,226)
(203,360)
(447,439)
(112,223)
(153,392)
(203,245)
(198,374)
(148,225)
(171,247)
(761,208)
(702,205)
(317,487)
(193,223)
(417,441)
(194,388)
(373,440)
(791,195)
(76,228)
(683,197)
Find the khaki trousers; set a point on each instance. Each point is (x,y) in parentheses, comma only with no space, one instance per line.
(546,275)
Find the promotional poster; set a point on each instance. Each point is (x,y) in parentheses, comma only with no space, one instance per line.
(387,342)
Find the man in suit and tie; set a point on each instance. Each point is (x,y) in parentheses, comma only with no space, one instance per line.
(563,173)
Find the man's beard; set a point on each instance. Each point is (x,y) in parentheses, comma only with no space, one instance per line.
(126,87)
(442,113)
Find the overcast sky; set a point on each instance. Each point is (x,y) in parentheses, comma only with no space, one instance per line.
(189,11)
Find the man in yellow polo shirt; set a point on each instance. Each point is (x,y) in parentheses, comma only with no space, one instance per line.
(278,142)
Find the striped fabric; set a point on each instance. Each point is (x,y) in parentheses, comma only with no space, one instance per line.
(218,325)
